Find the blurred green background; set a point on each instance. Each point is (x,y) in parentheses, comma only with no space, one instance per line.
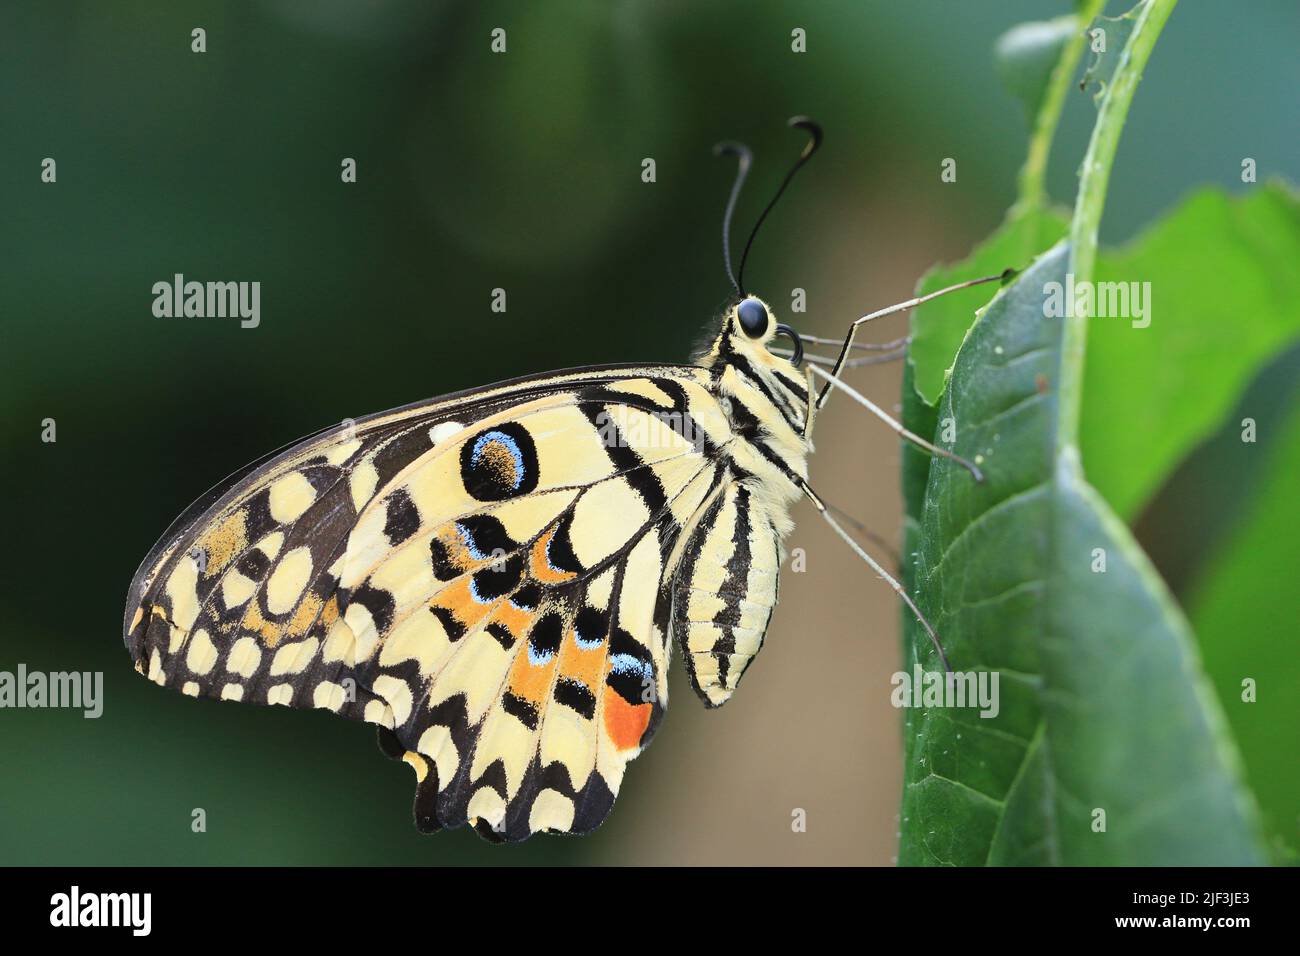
(477,171)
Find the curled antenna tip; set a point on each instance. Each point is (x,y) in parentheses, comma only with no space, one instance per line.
(812,127)
(815,139)
(732,148)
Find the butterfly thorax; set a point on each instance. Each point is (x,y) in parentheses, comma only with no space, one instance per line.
(766,400)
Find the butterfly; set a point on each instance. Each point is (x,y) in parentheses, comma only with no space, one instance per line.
(496,578)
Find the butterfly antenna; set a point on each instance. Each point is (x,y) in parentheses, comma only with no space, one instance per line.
(815,133)
(745,158)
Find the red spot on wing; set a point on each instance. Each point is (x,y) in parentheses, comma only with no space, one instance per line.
(625,723)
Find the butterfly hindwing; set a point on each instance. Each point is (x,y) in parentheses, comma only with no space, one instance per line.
(482,577)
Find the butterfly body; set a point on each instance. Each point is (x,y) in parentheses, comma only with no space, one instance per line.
(496,578)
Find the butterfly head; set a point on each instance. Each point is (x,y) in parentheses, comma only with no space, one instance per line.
(742,359)
(752,320)
(749,330)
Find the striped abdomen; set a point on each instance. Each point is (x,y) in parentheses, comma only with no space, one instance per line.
(725,590)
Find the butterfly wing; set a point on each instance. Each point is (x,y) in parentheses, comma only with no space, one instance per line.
(481,576)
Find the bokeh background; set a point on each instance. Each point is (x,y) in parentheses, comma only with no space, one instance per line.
(478,171)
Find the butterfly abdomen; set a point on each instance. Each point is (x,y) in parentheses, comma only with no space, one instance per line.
(725,591)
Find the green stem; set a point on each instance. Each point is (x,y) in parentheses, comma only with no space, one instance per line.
(1095,176)
(1033,191)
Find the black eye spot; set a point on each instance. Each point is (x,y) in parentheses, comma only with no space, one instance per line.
(500,463)
(753,318)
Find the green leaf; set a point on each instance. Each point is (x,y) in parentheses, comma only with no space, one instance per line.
(1102,704)
(1027,54)
(938,327)
(1243,610)
(1220,272)
(1225,298)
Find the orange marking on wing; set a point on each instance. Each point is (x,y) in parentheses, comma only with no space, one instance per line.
(306,614)
(531,681)
(582,664)
(516,619)
(254,622)
(541,569)
(625,723)
(456,597)
(224,542)
(457,554)
(497,457)
(330,613)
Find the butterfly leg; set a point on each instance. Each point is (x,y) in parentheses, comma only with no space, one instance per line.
(889,352)
(891,310)
(881,544)
(897,350)
(811,412)
(833,382)
(875,566)
(897,343)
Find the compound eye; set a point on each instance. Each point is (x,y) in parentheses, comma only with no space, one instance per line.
(753,318)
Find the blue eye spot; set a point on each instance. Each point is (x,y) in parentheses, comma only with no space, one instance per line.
(499,463)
